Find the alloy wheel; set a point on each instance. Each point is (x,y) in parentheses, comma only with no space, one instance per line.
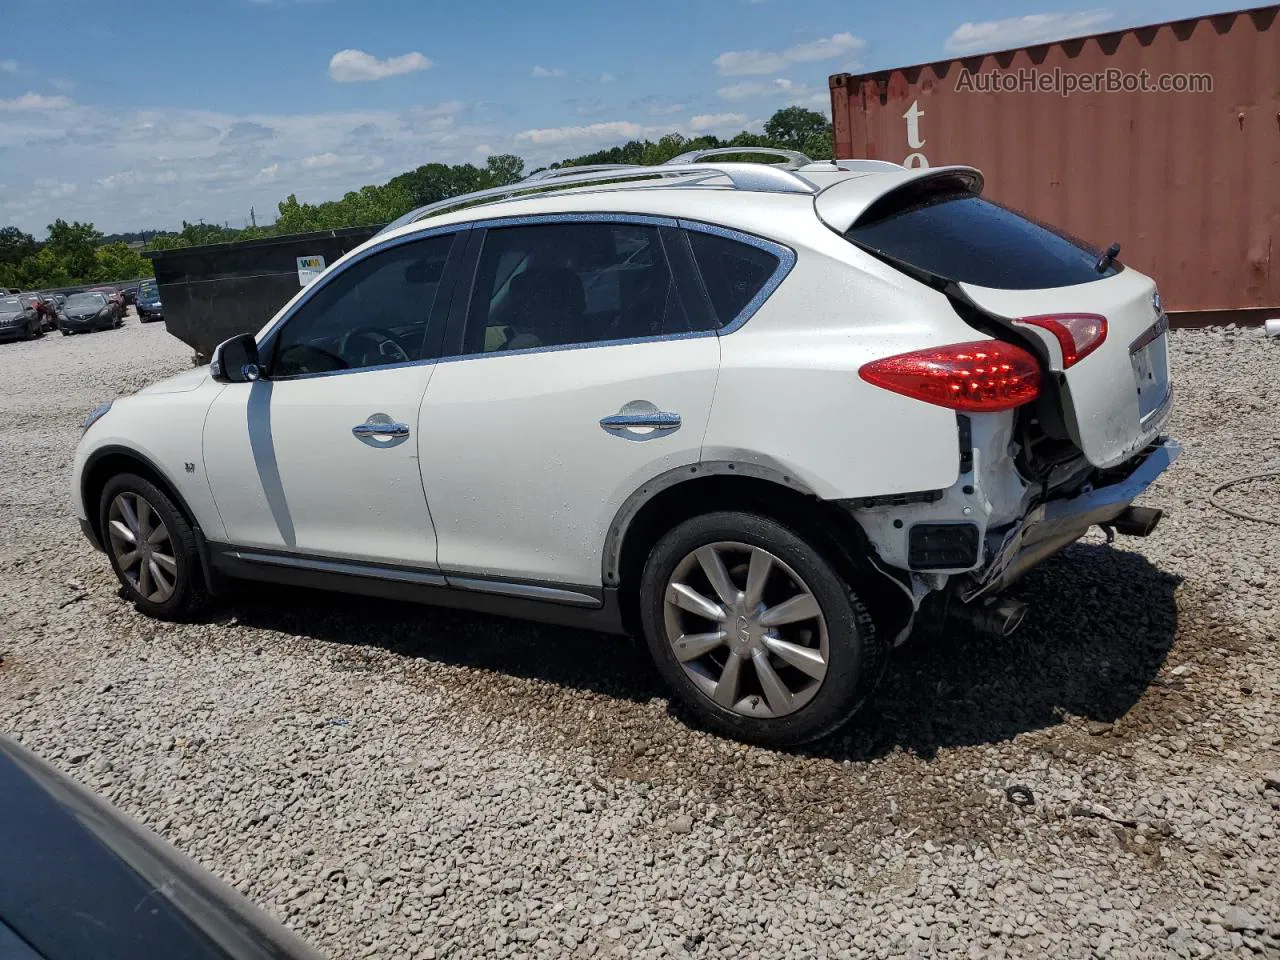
(746,629)
(142,547)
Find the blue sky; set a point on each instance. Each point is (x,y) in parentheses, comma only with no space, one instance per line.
(142,113)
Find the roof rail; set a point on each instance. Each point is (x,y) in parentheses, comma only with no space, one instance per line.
(794,158)
(754,177)
(554,173)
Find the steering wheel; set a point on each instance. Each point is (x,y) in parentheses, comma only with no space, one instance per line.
(383,343)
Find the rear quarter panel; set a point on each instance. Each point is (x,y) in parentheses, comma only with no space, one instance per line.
(789,394)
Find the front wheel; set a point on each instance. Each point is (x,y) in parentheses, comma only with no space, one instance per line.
(152,548)
(755,630)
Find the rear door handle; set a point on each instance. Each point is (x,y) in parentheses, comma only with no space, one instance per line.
(658,420)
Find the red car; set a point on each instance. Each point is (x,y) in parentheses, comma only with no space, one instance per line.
(114,297)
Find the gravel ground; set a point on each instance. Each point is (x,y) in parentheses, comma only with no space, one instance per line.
(397,781)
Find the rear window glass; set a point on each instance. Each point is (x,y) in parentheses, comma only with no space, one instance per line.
(959,236)
(733,272)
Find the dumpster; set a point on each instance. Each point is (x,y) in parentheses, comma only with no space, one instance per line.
(216,291)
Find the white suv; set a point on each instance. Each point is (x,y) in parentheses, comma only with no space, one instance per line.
(759,412)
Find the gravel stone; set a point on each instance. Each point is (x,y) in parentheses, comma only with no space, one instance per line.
(397,781)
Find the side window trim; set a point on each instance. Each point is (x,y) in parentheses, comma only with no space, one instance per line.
(786,261)
(267,343)
(688,280)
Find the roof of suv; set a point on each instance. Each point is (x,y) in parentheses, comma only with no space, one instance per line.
(728,193)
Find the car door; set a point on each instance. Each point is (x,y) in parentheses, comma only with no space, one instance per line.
(584,368)
(319,457)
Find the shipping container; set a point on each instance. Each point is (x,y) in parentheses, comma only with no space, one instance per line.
(1079,134)
(219,290)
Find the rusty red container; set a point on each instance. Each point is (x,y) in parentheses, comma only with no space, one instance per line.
(1186,179)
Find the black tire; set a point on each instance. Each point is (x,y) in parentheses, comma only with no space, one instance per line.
(189,593)
(33,330)
(66,333)
(857,652)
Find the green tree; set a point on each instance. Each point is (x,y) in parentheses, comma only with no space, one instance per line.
(116,261)
(503,169)
(73,244)
(16,246)
(793,127)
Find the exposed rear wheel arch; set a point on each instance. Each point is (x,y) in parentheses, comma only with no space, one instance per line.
(744,487)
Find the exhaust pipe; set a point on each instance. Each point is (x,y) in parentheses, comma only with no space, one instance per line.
(1137,521)
(1000,618)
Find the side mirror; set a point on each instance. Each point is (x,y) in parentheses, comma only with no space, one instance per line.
(236,360)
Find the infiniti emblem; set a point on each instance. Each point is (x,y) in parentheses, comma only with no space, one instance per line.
(1157,304)
(744,629)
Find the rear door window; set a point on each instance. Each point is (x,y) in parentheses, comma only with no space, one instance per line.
(558,284)
(733,272)
(957,235)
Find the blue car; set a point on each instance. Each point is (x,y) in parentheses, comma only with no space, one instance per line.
(148,302)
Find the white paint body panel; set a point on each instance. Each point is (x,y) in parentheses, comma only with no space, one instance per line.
(521,476)
(288,474)
(163,423)
(1102,397)
(790,395)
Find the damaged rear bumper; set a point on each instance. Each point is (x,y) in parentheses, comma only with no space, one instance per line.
(1057,523)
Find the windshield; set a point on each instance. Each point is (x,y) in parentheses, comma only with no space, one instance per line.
(86,301)
(148,290)
(10,305)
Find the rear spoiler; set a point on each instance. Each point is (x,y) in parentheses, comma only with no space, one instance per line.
(843,203)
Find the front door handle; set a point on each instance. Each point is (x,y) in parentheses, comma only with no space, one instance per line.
(380,426)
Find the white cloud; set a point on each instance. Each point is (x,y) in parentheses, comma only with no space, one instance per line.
(541,71)
(607,78)
(61,83)
(777,87)
(36,101)
(321,160)
(989,35)
(708,122)
(8,66)
(618,129)
(156,167)
(352,66)
(762,62)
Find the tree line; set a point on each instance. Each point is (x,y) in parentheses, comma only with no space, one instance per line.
(76,253)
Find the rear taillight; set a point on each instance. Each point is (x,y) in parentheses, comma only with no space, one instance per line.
(979,377)
(1079,334)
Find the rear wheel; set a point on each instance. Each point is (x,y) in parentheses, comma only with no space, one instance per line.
(755,631)
(152,548)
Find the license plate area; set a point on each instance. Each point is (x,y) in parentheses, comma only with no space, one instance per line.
(1151,375)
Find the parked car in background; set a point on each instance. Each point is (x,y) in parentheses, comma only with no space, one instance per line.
(47,306)
(129,296)
(112,294)
(95,885)
(89,311)
(19,318)
(148,303)
(758,414)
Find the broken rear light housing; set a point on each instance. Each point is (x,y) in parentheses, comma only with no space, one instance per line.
(1078,334)
(982,376)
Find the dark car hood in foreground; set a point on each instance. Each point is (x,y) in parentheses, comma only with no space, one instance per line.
(82,882)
